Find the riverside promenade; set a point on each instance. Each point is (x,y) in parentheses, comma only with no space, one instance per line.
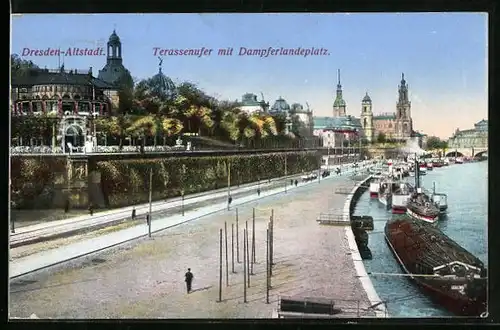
(144,278)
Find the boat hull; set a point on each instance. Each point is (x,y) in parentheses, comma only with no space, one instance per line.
(398,209)
(417,216)
(462,307)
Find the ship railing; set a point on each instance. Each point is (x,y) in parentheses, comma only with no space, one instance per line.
(309,307)
(456,262)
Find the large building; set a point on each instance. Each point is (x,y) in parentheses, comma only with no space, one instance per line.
(114,72)
(75,96)
(470,138)
(250,104)
(298,119)
(397,125)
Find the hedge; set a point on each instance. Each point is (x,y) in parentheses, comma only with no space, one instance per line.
(126,182)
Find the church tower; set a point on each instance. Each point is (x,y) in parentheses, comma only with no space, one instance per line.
(339,105)
(367,118)
(114,72)
(404,124)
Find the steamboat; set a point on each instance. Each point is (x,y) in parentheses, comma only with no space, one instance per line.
(375,186)
(420,206)
(446,272)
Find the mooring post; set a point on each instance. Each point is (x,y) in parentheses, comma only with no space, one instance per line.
(232,248)
(253,239)
(220,265)
(248,254)
(237,239)
(227,259)
(267,266)
(244,269)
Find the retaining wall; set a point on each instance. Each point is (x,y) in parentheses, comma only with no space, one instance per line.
(350,203)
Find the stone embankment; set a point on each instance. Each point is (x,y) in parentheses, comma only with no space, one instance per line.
(350,203)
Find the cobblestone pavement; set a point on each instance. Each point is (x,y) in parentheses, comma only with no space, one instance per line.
(144,279)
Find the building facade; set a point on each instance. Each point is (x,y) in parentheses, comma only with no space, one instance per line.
(249,104)
(394,125)
(74,96)
(470,138)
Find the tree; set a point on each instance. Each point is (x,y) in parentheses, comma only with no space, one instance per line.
(433,142)
(381,138)
(20,67)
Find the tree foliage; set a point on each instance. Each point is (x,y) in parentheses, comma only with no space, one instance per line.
(433,143)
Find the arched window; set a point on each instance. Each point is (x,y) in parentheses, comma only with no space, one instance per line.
(365,122)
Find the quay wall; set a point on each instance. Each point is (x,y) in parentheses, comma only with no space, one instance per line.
(116,180)
(350,203)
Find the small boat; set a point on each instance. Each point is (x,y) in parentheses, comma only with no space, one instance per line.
(437,163)
(400,197)
(450,275)
(421,207)
(439,199)
(430,166)
(422,169)
(459,160)
(374,187)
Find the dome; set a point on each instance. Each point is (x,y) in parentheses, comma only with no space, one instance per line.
(367,99)
(280,105)
(113,38)
(339,103)
(297,107)
(163,85)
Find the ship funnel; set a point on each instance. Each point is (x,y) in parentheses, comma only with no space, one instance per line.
(419,190)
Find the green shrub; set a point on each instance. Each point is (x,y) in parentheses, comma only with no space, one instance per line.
(126,182)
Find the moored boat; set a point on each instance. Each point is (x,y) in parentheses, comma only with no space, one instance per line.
(459,160)
(374,187)
(421,207)
(446,272)
(422,168)
(430,165)
(400,197)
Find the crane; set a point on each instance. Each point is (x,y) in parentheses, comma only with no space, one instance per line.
(262,94)
(308,109)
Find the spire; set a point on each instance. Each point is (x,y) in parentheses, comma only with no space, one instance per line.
(159,65)
(338,78)
(403,78)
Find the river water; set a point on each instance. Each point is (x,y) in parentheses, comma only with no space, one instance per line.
(466,222)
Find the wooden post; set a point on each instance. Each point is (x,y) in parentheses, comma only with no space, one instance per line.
(267,266)
(253,239)
(248,254)
(244,269)
(232,248)
(237,239)
(227,259)
(271,251)
(228,184)
(220,266)
(150,200)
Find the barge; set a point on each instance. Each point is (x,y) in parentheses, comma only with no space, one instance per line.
(450,275)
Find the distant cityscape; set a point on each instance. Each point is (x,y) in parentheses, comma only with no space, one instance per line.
(77,94)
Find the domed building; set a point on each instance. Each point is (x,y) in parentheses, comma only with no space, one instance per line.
(114,72)
(162,85)
(250,104)
(280,106)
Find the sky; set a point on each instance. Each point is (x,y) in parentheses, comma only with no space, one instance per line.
(443,57)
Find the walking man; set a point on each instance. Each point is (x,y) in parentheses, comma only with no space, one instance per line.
(189,280)
(133,213)
(91,209)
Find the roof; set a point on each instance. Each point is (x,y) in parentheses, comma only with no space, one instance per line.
(46,77)
(280,105)
(367,98)
(249,99)
(385,116)
(114,38)
(343,122)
